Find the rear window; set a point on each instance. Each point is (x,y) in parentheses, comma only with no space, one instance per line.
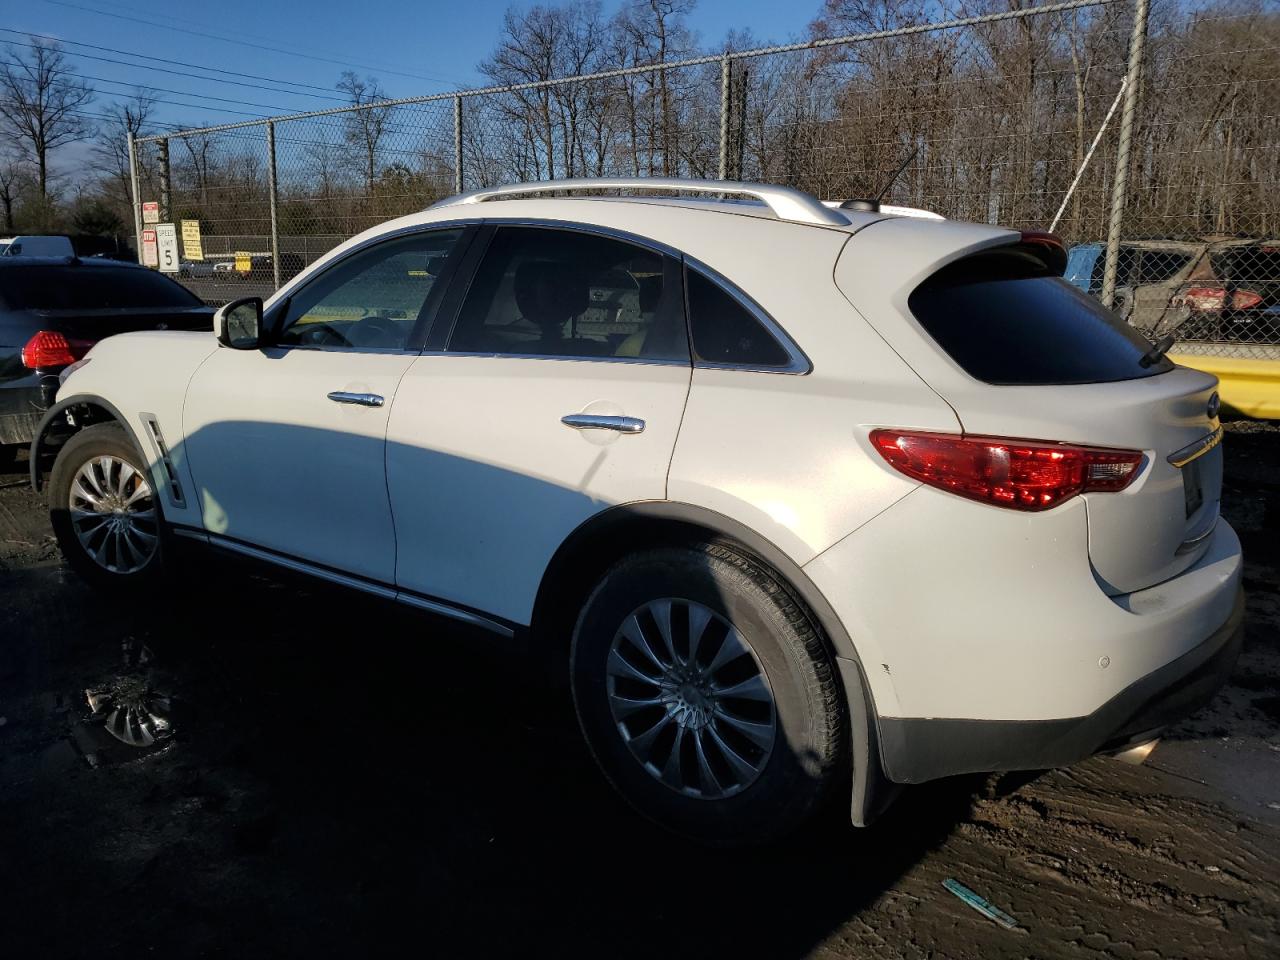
(90,288)
(1005,320)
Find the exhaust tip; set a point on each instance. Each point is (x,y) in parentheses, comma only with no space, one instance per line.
(1136,754)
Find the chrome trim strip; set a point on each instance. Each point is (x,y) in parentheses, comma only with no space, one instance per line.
(1191,543)
(355,583)
(455,613)
(1198,448)
(591,421)
(785,202)
(798,364)
(189,533)
(161,450)
(577,226)
(553,356)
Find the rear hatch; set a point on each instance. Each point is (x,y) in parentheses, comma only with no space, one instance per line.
(1044,361)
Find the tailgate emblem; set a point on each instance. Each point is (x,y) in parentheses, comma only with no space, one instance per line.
(1214,405)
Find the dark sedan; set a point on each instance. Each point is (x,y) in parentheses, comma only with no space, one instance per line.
(52,311)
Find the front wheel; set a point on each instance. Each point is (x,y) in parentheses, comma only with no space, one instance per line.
(707,695)
(104,512)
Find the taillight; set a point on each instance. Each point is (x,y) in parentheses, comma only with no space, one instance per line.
(49,348)
(1211,299)
(1019,474)
(1245,300)
(1207,299)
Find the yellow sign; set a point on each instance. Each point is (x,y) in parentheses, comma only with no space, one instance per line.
(191,240)
(244,261)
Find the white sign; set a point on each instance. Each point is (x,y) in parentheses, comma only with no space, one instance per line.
(151,212)
(167,241)
(149,256)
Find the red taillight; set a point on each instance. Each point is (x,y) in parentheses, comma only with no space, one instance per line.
(49,348)
(1210,299)
(1207,299)
(1245,300)
(1020,474)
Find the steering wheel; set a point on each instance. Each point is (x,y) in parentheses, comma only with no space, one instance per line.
(373,331)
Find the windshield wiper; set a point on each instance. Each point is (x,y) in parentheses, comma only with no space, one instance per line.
(1157,351)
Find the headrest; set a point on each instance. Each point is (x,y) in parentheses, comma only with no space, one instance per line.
(549,292)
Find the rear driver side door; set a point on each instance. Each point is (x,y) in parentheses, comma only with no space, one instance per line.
(558,393)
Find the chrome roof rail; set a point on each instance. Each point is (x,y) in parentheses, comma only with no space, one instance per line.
(785,202)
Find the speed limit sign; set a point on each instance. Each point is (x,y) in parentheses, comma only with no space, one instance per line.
(167,241)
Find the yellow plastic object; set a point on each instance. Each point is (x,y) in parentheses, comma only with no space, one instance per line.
(1251,386)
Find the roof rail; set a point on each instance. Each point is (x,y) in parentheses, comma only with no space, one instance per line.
(785,202)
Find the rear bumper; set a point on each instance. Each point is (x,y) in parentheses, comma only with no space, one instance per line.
(21,408)
(915,750)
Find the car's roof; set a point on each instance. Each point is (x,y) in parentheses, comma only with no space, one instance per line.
(90,262)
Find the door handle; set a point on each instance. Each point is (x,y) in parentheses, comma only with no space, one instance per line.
(591,421)
(359,399)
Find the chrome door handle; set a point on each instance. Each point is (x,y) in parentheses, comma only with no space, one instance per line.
(360,399)
(591,421)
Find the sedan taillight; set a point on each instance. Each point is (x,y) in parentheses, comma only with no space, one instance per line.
(1018,474)
(48,348)
(1212,299)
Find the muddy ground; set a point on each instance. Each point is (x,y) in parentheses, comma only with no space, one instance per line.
(346,780)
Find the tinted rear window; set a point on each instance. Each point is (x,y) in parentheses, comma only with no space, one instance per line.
(1004,320)
(90,288)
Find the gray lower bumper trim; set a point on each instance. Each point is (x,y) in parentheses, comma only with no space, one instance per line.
(916,750)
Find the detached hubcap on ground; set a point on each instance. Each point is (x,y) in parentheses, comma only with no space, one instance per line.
(113,514)
(690,699)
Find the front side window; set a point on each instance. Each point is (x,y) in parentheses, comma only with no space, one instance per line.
(559,293)
(372,299)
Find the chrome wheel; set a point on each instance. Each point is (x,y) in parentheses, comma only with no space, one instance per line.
(690,699)
(113,514)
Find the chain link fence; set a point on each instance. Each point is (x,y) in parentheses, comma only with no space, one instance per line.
(1002,116)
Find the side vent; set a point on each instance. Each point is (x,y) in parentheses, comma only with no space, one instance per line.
(161,451)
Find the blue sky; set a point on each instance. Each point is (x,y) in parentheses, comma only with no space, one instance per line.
(417,47)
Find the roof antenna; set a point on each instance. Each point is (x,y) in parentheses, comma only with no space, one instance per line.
(873,206)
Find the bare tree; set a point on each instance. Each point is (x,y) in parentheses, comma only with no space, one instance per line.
(129,118)
(365,128)
(13,175)
(41,100)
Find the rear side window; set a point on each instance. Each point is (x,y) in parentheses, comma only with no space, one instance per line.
(725,331)
(90,288)
(561,293)
(1161,266)
(1005,320)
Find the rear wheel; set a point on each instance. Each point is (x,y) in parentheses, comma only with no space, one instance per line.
(104,512)
(706,694)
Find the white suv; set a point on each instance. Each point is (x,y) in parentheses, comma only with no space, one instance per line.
(805,497)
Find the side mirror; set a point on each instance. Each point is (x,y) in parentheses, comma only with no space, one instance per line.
(238,324)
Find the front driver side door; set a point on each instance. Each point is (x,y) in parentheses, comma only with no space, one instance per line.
(287,442)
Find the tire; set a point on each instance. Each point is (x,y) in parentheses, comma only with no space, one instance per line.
(124,562)
(719,801)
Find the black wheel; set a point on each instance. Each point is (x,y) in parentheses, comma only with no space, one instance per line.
(104,512)
(707,695)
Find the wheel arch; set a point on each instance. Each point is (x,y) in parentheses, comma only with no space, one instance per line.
(607,536)
(87,409)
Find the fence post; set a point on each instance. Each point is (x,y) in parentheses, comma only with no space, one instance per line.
(1133,80)
(136,201)
(457,144)
(271,191)
(164,180)
(725,64)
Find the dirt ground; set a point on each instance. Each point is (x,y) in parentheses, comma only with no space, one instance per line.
(347,780)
